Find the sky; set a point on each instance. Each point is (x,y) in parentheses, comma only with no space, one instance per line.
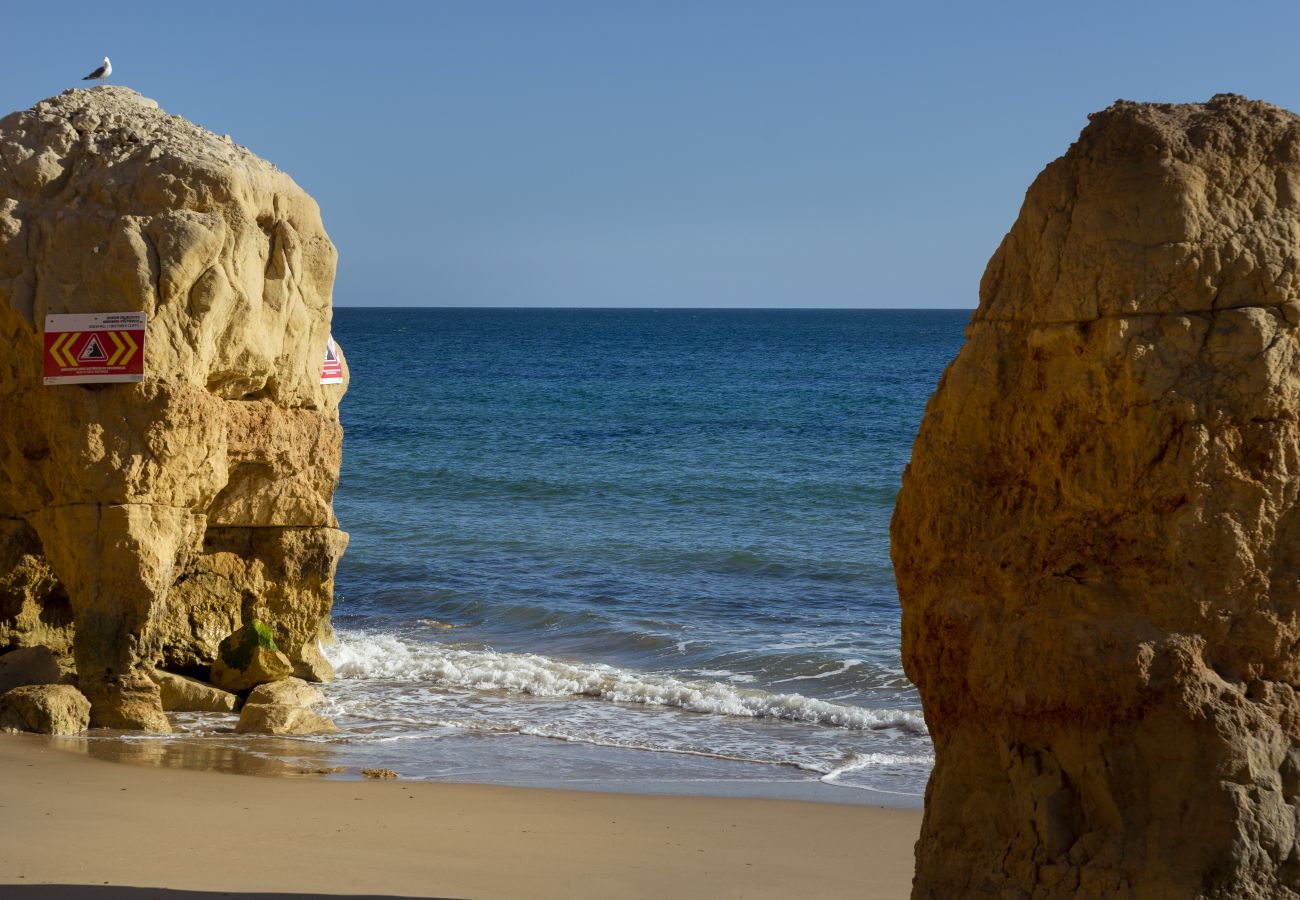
(667,154)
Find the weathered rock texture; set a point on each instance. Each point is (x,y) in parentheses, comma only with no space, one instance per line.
(1097,542)
(141,523)
(182,694)
(29,665)
(283,707)
(44,709)
(249,657)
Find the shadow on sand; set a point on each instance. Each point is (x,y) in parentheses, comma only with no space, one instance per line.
(125,892)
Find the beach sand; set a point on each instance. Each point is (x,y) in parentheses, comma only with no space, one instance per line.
(69,820)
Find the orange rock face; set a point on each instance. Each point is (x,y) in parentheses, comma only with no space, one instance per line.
(1097,542)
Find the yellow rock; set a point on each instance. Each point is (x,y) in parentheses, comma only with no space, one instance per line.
(34,608)
(1097,541)
(283,707)
(276,718)
(248,658)
(45,709)
(141,523)
(28,665)
(288,692)
(179,693)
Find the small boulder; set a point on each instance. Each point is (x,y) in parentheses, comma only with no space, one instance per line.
(283,707)
(45,709)
(182,694)
(312,664)
(249,657)
(277,718)
(29,665)
(130,702)
(289,692)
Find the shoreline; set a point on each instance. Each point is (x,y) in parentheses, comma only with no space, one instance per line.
(71,819)
(280,757)
(430,707)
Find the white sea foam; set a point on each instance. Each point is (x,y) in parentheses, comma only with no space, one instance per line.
(359,655)
(829,771)
(860,761)
(848,664)
(733,677)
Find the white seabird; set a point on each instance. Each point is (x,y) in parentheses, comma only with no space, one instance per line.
(101,73)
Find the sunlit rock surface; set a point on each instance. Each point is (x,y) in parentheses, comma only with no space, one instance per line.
(1097,542)
(142,523)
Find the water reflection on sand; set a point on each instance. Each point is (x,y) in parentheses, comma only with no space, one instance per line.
(218,749)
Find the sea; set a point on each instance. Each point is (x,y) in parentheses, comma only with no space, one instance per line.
(640,550)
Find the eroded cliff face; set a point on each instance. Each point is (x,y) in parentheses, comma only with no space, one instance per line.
(1097,542)
(141,523)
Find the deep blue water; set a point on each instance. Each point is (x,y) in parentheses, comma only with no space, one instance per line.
(654,531)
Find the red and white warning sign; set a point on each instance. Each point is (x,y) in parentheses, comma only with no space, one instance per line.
(332,371)
(94,348)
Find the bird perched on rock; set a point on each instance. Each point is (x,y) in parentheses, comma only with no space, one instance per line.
(101,73)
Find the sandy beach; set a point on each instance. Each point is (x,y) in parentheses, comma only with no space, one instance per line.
(75,826)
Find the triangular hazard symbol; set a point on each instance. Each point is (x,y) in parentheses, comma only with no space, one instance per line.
(93,351)
(330,355)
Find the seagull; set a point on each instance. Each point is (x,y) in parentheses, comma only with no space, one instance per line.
(101,73)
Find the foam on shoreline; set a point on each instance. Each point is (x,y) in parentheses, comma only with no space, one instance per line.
(381,656)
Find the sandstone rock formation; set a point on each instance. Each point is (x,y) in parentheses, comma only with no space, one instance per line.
(289,692)
(181,694)
(142,523)
(44,709)
(283,707)
(249,657)
(29,665)
(34,608)
(1097,542)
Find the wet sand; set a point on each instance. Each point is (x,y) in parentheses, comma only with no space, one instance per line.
(67,819)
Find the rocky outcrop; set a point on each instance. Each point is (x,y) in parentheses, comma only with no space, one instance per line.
(312,664)
(181,694)
(140,524)
(283,576)
(44,709)
(288,692)
(29,665)
(34,607)
(1097,542)
(249,657)
(283,707)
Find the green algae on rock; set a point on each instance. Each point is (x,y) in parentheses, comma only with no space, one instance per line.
(249,657)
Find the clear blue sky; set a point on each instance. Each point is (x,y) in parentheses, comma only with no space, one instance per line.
(658,153)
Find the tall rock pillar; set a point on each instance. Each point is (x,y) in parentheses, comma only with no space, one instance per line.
(141,523)
(1097,542)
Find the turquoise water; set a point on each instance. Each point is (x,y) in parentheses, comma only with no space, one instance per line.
(659,538)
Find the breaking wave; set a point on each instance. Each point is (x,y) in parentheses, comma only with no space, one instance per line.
(361,655)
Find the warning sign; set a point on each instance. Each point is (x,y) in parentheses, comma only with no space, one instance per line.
(332,371)
(93,351)
(94,348)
